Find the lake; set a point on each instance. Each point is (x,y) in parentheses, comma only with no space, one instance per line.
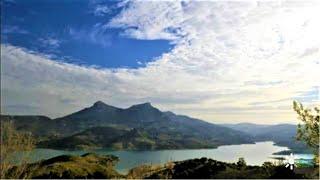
(254,154)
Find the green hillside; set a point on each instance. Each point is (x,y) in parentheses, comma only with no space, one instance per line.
(140,126)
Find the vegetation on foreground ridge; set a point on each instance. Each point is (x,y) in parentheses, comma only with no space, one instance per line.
(95,166)
(11,142)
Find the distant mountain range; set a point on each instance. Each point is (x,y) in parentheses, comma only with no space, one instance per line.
(143,126)
(140,126)
(281,134)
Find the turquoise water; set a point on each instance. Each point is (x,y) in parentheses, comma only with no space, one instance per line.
(254,154)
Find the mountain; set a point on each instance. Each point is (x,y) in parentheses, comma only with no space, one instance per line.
(161,129)
(281,134)
(91,138)
(38,125)
(119,139)
(101,114)
(249,128)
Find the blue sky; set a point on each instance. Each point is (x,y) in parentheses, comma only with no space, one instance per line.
(74,31)
(221,61)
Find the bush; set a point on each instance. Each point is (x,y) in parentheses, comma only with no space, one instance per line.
(13,142)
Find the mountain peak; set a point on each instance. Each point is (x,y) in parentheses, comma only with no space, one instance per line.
(143,105)
(103,106)
(99,103)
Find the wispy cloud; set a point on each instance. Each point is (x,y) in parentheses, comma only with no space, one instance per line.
(8,29)
(50,42)
(230,59)
(96,35)
(102,10)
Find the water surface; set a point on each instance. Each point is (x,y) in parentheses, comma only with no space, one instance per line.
(254,154)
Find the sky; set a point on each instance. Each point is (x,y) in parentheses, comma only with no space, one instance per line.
(220,61)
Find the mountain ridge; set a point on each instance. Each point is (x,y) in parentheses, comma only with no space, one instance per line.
(282,134)
(161,129)
(144,126)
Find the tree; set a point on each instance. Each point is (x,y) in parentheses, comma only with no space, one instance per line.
(241,162)
(309,130)
(13,142)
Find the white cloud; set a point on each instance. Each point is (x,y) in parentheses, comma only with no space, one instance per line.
(240,61)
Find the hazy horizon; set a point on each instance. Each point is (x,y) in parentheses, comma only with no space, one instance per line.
(219,61)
